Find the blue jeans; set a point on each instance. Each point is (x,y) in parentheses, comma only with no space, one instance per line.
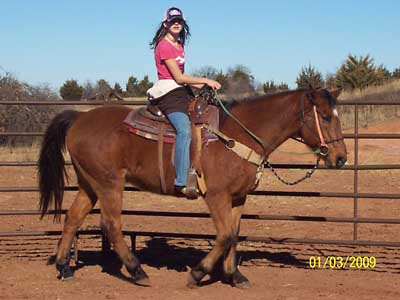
(181,123)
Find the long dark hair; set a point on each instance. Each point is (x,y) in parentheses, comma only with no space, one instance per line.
(162,31)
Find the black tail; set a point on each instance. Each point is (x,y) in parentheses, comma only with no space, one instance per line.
(51,169)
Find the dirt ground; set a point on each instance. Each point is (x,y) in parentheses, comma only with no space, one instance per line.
(276,271)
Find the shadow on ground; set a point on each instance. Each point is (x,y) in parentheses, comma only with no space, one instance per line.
(159,254)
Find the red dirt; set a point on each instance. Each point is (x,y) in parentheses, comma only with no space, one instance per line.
(276,271)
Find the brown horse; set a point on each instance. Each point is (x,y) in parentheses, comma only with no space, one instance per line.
(105,156)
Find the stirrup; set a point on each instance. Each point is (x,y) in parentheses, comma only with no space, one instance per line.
(191,184)
(182,191)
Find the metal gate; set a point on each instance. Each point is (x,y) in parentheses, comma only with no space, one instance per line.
(355,195)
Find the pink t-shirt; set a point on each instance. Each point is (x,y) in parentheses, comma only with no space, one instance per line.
(165,50)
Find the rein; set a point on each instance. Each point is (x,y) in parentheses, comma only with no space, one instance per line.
(265,145)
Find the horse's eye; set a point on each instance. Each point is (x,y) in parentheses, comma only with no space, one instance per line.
(327,118)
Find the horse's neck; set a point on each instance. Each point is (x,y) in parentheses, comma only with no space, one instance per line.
(274,120)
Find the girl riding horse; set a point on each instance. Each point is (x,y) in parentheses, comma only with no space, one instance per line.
(169,42)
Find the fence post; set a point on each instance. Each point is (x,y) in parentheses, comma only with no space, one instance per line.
(355,229)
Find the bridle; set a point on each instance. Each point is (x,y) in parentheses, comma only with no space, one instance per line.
(323,148)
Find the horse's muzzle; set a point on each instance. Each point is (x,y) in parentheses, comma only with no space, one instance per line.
(340,162)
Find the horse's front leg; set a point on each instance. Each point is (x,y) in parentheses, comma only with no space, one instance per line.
(231,272)
(220,206)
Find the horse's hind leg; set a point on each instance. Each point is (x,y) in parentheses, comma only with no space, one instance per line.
(231,271)
(81,206)
(111,206)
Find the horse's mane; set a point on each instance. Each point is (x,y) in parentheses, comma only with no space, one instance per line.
(248,100)
(230,104)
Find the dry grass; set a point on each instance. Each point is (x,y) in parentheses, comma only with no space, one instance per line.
(369,114)
(23,154)
(20,154)
(392,87)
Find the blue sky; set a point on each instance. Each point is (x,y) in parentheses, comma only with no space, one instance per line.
(47,41)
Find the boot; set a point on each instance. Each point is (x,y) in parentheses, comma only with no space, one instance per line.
(189,191)
(191,184)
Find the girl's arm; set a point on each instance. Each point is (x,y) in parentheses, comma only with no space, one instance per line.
(181,78)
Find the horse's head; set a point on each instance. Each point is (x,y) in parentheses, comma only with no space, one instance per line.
(321,126)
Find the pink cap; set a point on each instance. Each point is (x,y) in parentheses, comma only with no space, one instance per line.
(173,13)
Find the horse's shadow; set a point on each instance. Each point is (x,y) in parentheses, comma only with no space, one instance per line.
(159,254)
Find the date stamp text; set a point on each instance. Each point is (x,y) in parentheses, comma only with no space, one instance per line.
(340,262)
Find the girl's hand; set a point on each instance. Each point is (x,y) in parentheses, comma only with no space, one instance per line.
(215,85)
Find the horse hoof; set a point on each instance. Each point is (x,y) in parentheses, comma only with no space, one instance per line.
(69,278)
(192,283)
(240,281)
(142,282)
(195,276)
(242,285)
(140,277)
(65,273)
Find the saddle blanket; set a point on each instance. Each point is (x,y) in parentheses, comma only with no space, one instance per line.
(142,123)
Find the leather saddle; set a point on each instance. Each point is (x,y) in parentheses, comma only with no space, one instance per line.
(149,121)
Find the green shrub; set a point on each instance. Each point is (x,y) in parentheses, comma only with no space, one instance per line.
(71,90)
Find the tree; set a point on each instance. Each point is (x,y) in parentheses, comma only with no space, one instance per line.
(356,72)
(88,90)
(270,87)
(212,73)
(206,71)
(71,90)
(30,118)
(383,75)
(132,87)
(143,86)
(117,88)
(240,82)
(396,73)
(309,77)
(283,86)
(10,87)
(223,80)
(103,87)
(330,81)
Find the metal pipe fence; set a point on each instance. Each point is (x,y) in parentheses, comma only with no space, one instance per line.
(355,195)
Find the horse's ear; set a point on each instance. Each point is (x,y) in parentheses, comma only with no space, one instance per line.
(310,94)
(335,93)
(313,88)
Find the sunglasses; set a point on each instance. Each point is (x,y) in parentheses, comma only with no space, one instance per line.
(179,21)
